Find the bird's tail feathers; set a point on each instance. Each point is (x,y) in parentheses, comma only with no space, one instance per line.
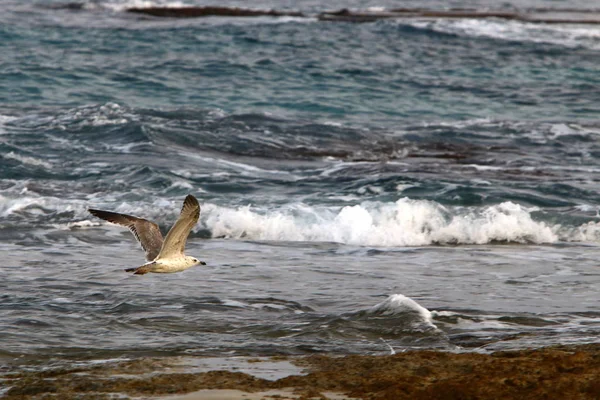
(144,269)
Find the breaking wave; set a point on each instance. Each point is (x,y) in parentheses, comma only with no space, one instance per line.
(398,304)
(562,35)
(405,222)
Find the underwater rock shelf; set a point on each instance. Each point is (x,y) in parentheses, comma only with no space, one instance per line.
(546,16)
(562,372)
(539,15)
(196,12)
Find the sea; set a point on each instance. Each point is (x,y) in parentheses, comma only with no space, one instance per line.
(365,188)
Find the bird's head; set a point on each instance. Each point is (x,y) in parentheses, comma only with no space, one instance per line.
(195,261)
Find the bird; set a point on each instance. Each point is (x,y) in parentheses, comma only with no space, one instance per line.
(162,256)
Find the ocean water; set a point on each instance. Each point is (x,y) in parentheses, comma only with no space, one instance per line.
(364,187)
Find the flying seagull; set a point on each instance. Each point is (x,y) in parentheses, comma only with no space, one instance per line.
(162,256)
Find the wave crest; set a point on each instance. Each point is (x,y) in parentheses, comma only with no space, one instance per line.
(405,222)
(398,313)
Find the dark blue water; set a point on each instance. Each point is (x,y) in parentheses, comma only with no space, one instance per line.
(431,183)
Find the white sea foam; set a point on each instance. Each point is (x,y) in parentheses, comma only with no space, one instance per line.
(183,185)
(235,303)
(333,123)
(82,224)
(10,206)
(401,187)
(588,232)
(559,130)
(93,115)
(127,148)
(4,119)
(402,223)
(568,35)
(376,9)
(32,204)
(70,144)
(341,165)
(28,160)
(124,5)
(588,207)
(483,167)
(238,167)
(461,124)
(405,222)
(62,300)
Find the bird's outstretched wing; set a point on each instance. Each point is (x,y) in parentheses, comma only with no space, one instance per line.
(174,243)
(146,232)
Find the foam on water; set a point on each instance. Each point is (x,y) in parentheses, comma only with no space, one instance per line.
(93,115)
(31,209)
(32,161)
(564,35)
(4,119)
(588,232)
(124,5)
(405,222)
(10,206)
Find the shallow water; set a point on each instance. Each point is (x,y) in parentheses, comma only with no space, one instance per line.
(364,187)
(261,298)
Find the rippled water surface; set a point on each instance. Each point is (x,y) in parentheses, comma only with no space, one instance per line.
(401,183)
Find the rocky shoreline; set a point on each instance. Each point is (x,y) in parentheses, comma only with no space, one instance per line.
(540,15)
(562,372)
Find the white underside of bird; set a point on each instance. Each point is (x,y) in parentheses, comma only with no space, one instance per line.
(168,265)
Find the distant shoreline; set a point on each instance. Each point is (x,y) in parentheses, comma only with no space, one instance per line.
(560,372)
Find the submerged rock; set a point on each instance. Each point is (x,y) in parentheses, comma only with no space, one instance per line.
(548,16)
(195,12)
(562,372)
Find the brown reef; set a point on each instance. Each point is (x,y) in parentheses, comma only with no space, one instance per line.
(549,373)
(535,15)
(559,16)
(195,12)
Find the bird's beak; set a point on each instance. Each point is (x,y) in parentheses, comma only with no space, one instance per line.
(202,263)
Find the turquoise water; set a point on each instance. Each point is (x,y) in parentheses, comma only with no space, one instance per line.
(429,183)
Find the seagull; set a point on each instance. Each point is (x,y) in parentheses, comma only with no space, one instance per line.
(162,256)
